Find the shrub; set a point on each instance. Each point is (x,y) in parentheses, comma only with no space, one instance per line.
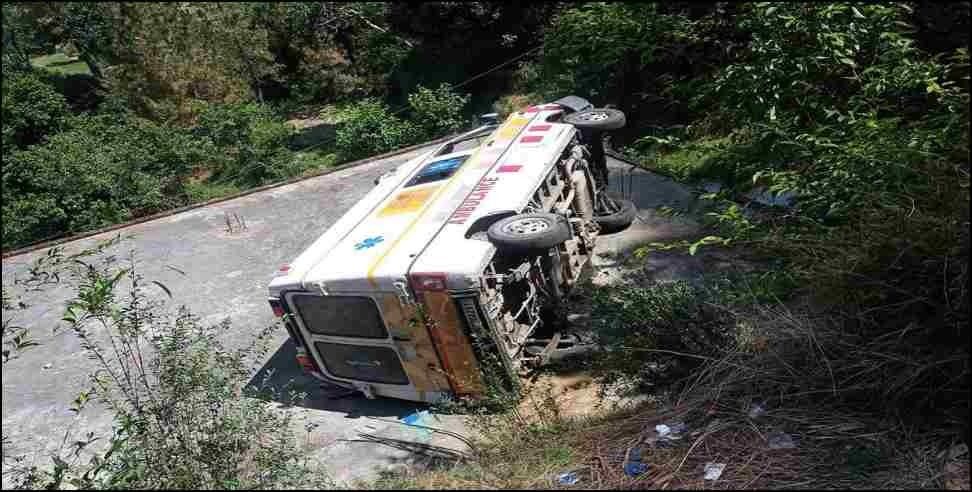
(638,49)
(438,111)
(369,128)
(32,110)
(177,395)
(253,140)
(655,323)
(98,173)
(82,91)
(836,104)
(512,103)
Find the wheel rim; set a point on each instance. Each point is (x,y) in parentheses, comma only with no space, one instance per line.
(526,226)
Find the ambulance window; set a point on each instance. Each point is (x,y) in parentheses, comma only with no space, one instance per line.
(437,170)
(341,316)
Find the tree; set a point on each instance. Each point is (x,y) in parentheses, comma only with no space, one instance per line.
(90,27)
(27,31)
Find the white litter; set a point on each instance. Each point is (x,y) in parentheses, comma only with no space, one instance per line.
(714,470)
(670,431)
(48,365)
(756,411)
(780,440)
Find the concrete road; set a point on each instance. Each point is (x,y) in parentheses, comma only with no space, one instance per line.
(226,277)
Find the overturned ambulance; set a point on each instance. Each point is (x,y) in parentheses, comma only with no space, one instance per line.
(456,264)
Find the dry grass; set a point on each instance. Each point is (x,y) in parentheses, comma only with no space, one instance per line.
(792,373)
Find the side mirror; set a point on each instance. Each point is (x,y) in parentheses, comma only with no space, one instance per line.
(489,119)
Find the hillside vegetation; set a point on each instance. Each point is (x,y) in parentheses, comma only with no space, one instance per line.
(851,325)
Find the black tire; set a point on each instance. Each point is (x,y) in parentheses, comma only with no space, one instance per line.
(597,119)
(529,232)
(620,220)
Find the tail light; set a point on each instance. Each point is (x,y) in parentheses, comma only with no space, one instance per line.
(305,361)
(277,308)
(428,281)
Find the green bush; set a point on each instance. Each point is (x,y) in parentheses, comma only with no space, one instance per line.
(185,417)
(846,113)
(32,110)
(98,173)
(369,128)
(252,141)
(641,324)
(837,104)
(617,51)
(438,111)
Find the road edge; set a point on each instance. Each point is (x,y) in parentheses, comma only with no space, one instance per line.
(47,243)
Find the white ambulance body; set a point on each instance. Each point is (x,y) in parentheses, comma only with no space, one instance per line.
(442,275)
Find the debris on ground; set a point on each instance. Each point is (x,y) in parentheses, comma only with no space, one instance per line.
(780,440)
(633,465)
(714,470)
(418,419)
(956,470)
(568,478)
(756,411)
(666,433)
(635,468)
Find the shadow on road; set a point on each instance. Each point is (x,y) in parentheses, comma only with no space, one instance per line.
(282,373)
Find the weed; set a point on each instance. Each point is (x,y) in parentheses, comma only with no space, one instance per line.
(177,394)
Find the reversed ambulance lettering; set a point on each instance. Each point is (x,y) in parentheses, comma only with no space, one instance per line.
(469,205)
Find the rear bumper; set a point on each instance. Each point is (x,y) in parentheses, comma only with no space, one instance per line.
(371,392)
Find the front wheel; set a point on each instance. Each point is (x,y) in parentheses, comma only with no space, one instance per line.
(529,232)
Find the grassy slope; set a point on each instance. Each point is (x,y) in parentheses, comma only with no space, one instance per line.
(59,62)
(778,333)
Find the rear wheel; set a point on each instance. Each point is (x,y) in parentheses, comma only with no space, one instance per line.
(529,232)
(616,214)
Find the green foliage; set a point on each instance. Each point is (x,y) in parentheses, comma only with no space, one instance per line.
(438,111)
(625,34)
(32,110)
(836,104)
(370,128)
(845,114)
(201,192)
(252,141)
(656,323)
(95,174)
(26,32)
(512,103)
(176,394)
